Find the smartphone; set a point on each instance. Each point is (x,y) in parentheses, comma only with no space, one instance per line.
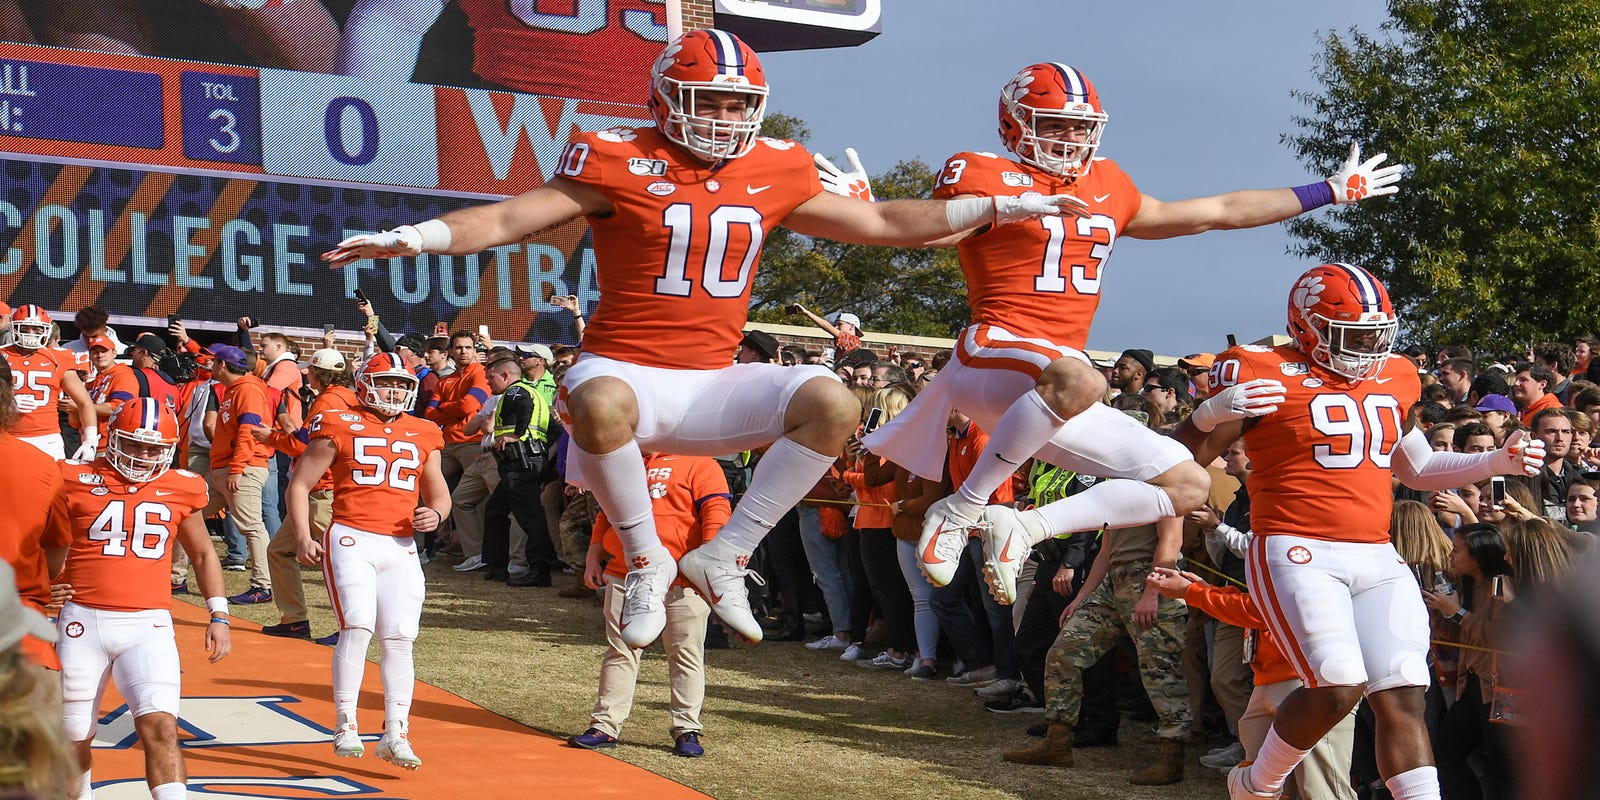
(874,419)
(1497,586)
(361,296)
(327,327)
(1497,492)
(792,309)
(483,330)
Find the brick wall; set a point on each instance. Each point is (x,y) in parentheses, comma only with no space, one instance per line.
(697,14)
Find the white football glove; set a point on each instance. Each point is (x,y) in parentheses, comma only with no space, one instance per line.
(405,240)
(1358,180)
(91,441)
(845,184)
(1034,205)
(1246,400)
(1522,455)
(25,404)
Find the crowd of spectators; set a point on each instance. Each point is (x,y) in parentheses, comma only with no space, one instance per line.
(839,572)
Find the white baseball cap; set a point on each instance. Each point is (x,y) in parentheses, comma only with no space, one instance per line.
(17,620)
(847,317)
(536,350)
(327,358)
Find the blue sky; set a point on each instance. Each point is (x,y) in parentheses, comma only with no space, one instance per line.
(1198,96)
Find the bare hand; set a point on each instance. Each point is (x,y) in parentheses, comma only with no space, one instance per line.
(1144,611)
(218,641)
(233,482)
(1170,582)
(594,575)
(1515,509)
(1445,604)
(261,434)
(365,308)
(60,593)
(425,519)
(566,301)
(308,552)
(177,331)
(1206,517)
(1062,582)
(1072,608)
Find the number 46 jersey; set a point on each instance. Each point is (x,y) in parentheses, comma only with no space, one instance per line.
(376,471)
(123,533)
(1320,464)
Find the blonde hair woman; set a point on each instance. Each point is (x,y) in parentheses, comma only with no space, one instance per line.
(33,749)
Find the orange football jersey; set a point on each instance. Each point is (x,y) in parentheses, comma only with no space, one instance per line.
(123,533)
(36,380)
(116,386)
(676,259)
(31,485)
(1039,279)
(1320,464)
(591,51)
(376,471)
(332,398)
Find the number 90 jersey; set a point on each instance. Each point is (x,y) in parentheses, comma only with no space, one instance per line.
(1039,279)
(1320,464)
(123,533)
(377,468)
(676,258)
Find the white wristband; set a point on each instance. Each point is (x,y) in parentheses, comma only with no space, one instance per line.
(217,605)
(968,212)
(435,236)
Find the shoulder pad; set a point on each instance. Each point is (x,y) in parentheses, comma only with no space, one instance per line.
(74,462)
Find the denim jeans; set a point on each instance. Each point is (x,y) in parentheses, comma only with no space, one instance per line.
(828,567)
(922,616)
(271,497)
(952,607)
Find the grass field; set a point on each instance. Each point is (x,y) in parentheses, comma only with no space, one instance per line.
(780,720)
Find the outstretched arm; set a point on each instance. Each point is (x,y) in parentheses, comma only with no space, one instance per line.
(1418,466)
(918,223)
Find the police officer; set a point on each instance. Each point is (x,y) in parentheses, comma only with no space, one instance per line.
(524,427)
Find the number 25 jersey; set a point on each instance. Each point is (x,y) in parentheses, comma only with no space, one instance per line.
(676,257)
(1320,464)
(377,468)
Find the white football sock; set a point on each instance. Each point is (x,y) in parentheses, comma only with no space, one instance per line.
(349,665)
(1274,762)
(169,791)
(621,488)
(786,472)
(1421,783)
(399,677)
(85,786)
(1025,428)
(1111,504)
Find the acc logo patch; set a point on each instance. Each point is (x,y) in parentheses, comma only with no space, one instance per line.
(347,541)
(1311,383)
(1299,555)
(90,478)
(1016,179)
(777,144)
(186,473)
(661,188)
(74,629)
(350,417)
(99,490)
(1295,368)
(647,166)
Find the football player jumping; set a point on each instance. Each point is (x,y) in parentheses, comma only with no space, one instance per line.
(678,214)
(381,459)
(124,512)
(1323,420)
(1019,369)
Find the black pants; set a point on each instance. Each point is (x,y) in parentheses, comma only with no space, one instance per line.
(1041,622)
(881,560)
(788,570)
(517,493)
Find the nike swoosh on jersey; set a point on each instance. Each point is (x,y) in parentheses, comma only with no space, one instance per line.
(1382,380)
(1101,198)
(410,433)
(757,189)
(162,493)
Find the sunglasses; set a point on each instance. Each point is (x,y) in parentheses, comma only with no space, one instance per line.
(1152,388)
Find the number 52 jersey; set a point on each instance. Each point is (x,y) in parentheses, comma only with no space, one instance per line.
(1320,464)
(376,471)
(123,533)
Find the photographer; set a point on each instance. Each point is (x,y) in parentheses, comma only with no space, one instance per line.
(524,426)
(846,330)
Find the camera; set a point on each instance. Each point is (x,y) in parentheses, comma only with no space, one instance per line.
(792,309)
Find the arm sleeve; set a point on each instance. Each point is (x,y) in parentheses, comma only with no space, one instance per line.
(384,338)
(1419,467)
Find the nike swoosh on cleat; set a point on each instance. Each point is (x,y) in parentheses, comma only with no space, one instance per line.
(928,554)
(1006,551)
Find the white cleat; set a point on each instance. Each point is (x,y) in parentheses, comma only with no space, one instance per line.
(1239,787)
(718,574)
(644,605)
(395,748)
(1005,550)
(347,741)
(943,539)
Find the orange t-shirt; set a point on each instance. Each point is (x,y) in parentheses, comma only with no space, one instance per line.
(123,533)
(116,386)
(874,511)
(689,498)
(1320,464)
(1234,607)
(242,404)
(36,381)
(963,456)
(379,463)
(31,485)
(459,396)
(676,258)
(1040,278)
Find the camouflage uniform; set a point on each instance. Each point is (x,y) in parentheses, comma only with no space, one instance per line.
(1100,622)
(576,526)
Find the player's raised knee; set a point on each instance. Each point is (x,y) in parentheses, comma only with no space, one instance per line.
(823,405)
(604,413)
(1187,484)
(1070,385)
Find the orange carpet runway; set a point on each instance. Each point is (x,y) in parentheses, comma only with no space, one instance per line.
(257,725)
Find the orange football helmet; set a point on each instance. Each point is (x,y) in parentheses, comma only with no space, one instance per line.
(1340,316)
(715,62)
(140,424)
(386,400)
(1048,93)
(32,327)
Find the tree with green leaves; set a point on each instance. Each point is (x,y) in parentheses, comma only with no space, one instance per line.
(1494,238)
(894,290)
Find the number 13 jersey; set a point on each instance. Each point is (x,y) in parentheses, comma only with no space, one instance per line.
(377,469)
(1320,464)
(676,257)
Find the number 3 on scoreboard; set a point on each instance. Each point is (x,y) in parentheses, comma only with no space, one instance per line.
(228,129)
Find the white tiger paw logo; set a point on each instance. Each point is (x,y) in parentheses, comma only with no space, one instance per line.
(1018,87)
(617,135)
(1308,293)
(665,59)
